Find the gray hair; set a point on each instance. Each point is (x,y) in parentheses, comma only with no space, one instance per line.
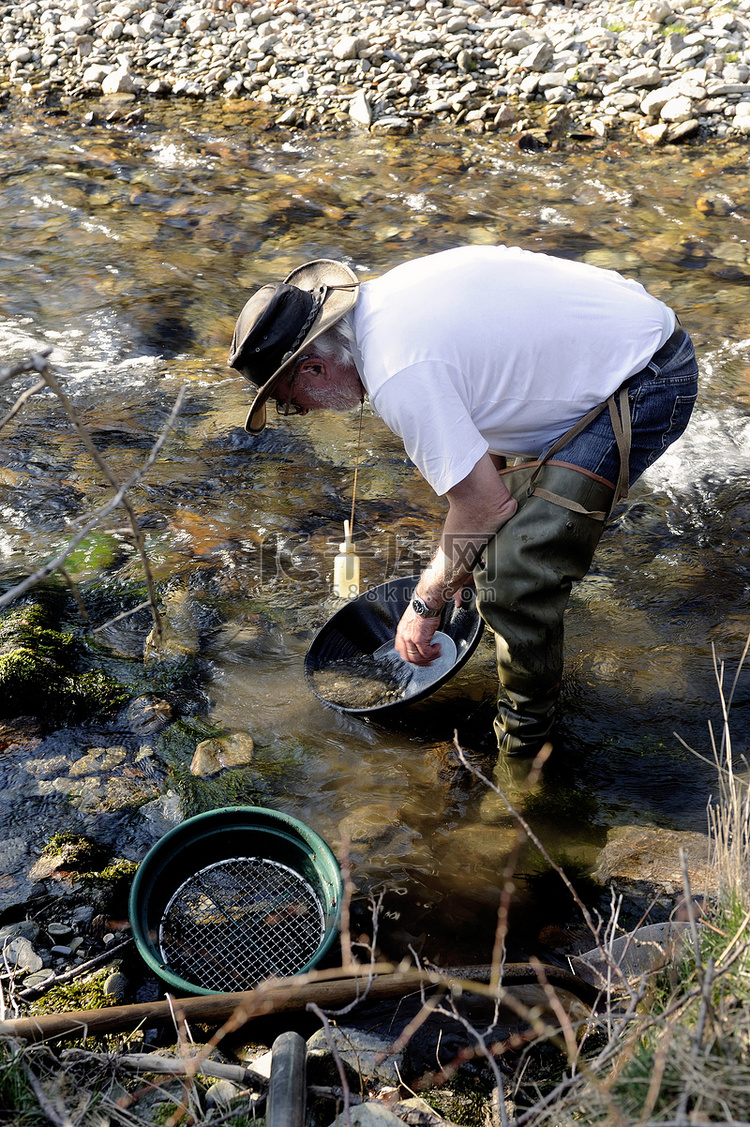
(335,344)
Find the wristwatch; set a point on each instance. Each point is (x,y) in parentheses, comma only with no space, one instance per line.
(420,607)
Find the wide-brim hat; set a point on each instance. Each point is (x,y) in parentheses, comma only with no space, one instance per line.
(281,319)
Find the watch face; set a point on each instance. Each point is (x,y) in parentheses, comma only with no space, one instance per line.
(422,609)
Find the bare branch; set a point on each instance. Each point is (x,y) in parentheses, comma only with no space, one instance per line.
(35,364)
(59,1117)
(174,1066)
(99,461)
(99,514)
(38,386)
(531,835)
(119,617)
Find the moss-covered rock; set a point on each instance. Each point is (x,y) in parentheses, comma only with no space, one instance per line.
(105,880)
(71,852)
(86,994)
(41,674)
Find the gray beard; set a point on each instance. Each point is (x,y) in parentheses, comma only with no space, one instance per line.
(340,399)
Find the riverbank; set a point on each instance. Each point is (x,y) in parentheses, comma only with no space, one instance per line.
(663,72)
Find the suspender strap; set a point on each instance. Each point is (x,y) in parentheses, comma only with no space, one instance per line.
(623,437)
(621,426)
(566,503)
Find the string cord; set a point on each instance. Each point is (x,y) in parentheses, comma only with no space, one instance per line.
(356,469)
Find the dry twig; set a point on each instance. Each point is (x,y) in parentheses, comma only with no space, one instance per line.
(40,364)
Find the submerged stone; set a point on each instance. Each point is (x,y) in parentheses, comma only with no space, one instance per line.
(221,753)
(40,671)
(147,715)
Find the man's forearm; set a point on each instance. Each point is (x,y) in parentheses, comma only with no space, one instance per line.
(449,568)
(479,506)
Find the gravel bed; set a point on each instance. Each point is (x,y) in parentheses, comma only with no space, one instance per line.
(665,72)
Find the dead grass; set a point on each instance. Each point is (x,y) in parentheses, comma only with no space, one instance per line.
(673,1047)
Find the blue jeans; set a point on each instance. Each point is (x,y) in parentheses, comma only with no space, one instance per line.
(661,399)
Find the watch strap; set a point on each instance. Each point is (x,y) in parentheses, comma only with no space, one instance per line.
(423,610)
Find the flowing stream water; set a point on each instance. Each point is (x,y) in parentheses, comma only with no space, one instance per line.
(130,247)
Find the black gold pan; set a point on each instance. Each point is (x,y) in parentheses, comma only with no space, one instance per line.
(351,664)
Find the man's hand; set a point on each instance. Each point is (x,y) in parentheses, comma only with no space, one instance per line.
(413,638)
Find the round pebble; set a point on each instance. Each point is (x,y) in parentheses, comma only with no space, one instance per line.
(221,1093)
(19,955)
(38,978)
(117,986)
(58,933)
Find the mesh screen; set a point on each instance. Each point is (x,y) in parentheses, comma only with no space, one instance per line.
(239,921)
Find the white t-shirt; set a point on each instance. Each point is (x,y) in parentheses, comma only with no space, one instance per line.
(497,348)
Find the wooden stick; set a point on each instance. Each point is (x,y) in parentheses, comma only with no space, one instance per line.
(326,988)
(174,1066)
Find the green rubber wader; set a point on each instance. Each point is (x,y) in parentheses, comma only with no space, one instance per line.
(523,582)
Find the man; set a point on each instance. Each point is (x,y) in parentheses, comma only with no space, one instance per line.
(478,357)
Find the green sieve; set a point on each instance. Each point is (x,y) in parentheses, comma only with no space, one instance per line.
(230,898)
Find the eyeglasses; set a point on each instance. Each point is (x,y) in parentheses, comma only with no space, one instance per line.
(289,407)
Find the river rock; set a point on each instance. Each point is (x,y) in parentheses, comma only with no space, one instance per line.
(162,814)
(399,126)
(367,1058)
(112,30)
(81,916)
(374,835)
(360,109)
(221,1093)
(370,1114)
(742,118)
(24,929)
(74,853)
(537,56)
(59,932)
(415,1110)
(117,986)
(20,956)
(653,102)
(147,715)
(642,76)
(649,857)
(657,12)
(119,82)
(222,753)
(348,47)
(683,129)
(38,978)
(643,951)
(677,109)
(653,134)
(95,74)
